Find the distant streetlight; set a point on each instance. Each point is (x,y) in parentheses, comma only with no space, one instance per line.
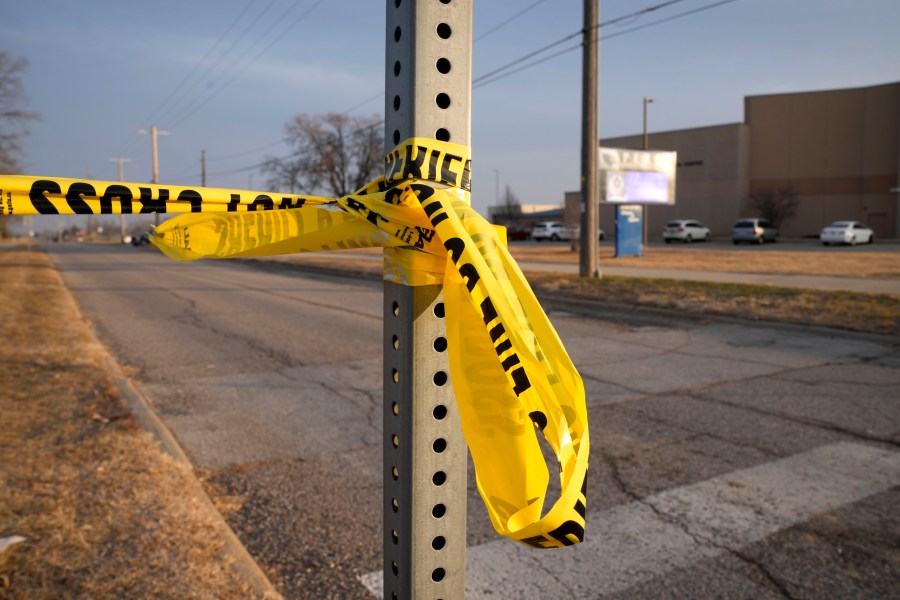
(121,160)
(497,187)
(153,133)
(646,136)
(646,147)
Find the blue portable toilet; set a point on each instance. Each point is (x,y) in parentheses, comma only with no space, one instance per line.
(629,230)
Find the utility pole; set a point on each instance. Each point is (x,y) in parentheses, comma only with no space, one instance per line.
(587,266)
(646,215)
(154,132)
(428,56)
(121,160)
(203,168)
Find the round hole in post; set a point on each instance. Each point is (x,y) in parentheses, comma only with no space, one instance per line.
(396,68)
(443,30)
(395,375)
(395,342)
(397,34)
(439,310)
(440,378)
(395,473)
(439,542)
(396,103)
(445,1)
(438,511)
(395,505)
(438,574)
(394,568)
(395,408)
(439,412)
(440,344)
(396,3)
(395,441)
(439,478)
(395,537)
(443,100)
(439,445)
(443,66)
(442,135)
(395,307)
(396,137)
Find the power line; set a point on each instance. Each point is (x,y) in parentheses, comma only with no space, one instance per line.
(575,34)
(504,71)
(238,73)
(506,22)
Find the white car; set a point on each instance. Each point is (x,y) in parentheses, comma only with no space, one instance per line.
(550,230)
(846,232)
(686,230)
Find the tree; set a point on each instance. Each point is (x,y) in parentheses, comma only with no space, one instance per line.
(510,205)
(13,117)
(777,205)
(333,155)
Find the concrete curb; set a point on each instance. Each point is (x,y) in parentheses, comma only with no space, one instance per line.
(243,564)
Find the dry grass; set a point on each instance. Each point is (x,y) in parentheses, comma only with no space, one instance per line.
(837,262)
(105,513)
(870,313)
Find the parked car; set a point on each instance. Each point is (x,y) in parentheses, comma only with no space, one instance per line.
(686,230)
(140,240)
(846,232)
(550,230)
(756,231)
(517,232)
(601,235)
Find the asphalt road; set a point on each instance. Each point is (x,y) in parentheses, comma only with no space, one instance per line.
(728,460)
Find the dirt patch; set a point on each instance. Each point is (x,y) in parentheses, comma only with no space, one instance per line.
(836,262)
(79,480)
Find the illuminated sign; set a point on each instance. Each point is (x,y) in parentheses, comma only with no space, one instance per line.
(637,176)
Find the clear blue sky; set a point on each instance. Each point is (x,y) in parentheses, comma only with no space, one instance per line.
(101,69)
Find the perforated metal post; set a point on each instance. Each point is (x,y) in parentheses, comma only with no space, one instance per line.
(427,94)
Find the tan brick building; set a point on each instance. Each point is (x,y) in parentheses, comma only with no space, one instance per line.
(839,150)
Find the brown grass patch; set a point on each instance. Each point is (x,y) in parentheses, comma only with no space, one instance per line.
(870,313)
(105,513)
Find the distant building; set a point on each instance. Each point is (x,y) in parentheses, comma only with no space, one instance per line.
(839,150)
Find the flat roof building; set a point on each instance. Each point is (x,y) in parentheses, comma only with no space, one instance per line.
(838,151)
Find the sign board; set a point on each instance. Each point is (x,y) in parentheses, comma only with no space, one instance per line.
(637,176)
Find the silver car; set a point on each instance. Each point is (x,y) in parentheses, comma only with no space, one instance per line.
(755,231)
(686,230)
(846,232)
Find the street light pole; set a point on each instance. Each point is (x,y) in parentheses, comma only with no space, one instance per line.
(154,132)
(121,160)
(588,264)
(646,147)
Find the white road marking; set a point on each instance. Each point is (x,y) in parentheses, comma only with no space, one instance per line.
(632,543)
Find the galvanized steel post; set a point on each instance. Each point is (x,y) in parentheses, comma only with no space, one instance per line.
(427,94)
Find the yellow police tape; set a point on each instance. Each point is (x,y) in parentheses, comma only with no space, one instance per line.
(510,376)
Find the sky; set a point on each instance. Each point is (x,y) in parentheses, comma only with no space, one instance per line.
(225,76)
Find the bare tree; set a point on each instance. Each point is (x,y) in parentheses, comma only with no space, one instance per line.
(510,205)
(777,205)
(13,117)
(333,154)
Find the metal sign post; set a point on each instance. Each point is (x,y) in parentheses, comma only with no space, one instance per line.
(427,94)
